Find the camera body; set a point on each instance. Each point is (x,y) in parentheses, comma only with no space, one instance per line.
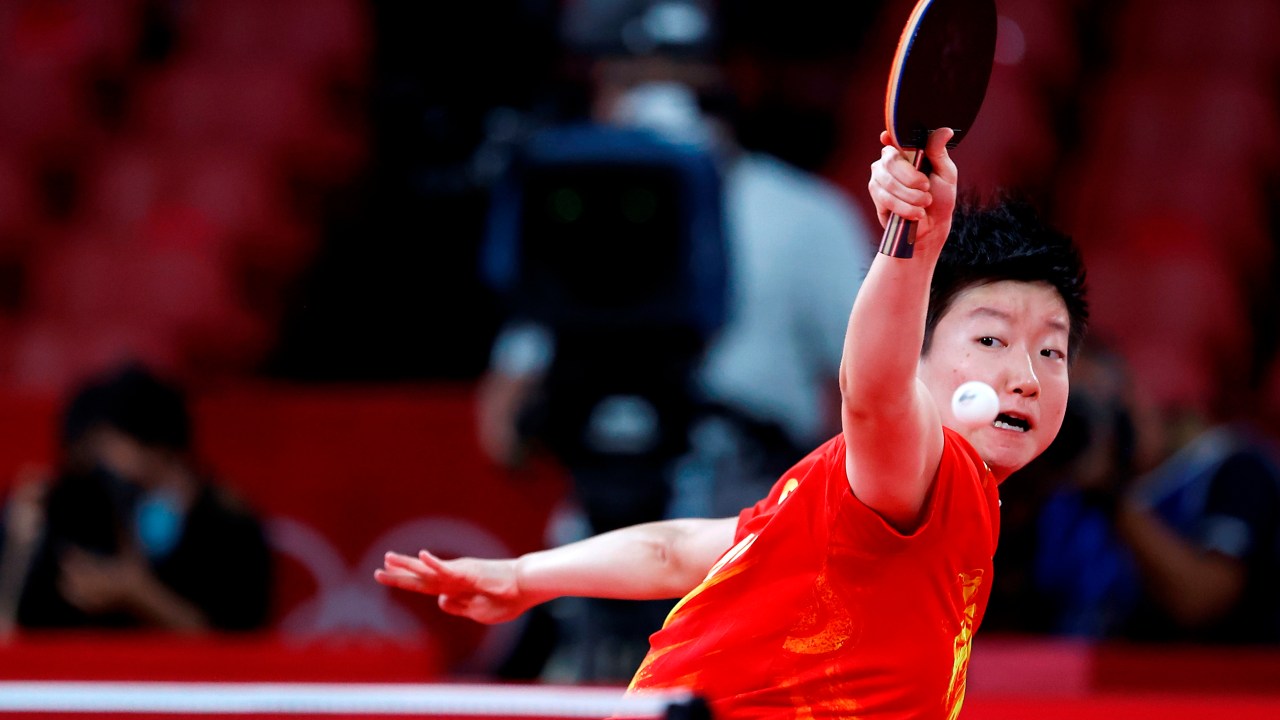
(612,239)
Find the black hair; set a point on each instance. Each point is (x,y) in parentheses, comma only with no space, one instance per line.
(1005,239)
(134,401)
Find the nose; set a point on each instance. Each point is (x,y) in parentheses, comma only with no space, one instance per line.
(1021,376)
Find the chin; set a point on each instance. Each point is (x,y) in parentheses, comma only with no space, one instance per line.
(1002,454)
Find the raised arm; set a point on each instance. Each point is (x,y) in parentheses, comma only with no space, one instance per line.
(891,425)
(663,559)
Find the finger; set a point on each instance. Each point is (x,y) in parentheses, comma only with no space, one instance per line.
(472,607)
(448,574)
(69,589)
(454,604)
(888,204)
(898,167)
(885,138)
(402,581)
(77,591)
(898,178)
(397,561)
(936,151)
(892,196)
(74,561)
(437,565)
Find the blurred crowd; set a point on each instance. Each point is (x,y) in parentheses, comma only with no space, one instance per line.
(230,188)
(165,170)
(307,190)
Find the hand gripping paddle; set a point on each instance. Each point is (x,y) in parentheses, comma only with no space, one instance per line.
(938,79)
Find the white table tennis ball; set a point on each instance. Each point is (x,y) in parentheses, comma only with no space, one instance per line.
(975,403)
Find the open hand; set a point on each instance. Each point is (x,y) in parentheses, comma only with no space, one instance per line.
(483,590)
(102,583)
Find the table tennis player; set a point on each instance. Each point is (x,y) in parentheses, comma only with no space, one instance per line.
(856,586)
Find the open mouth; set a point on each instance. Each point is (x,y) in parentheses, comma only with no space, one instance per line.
(1004,421)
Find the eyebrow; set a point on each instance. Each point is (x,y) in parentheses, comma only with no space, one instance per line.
(987,311)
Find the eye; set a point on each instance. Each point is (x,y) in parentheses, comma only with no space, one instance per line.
(1052,353)
(991,341)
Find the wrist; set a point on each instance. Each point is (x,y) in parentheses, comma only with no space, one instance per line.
(525,580)
(535,578)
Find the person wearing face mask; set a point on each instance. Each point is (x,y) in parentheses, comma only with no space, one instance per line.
(132,533)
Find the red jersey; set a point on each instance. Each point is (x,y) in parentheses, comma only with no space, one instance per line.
(822,610)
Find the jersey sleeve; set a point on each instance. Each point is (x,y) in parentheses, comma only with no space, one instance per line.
(958,466)
(751,519)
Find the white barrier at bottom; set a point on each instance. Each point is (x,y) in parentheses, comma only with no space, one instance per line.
(233,698)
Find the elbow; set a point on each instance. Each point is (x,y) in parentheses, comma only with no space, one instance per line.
(854,400)
(879,388)
(681,555)
(853,386)
(664,558)
(846,383)
(875,407)
(662,554)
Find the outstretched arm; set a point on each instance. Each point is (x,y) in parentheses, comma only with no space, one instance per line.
(124,582)
(663,559)
(1196,587)
(891,425)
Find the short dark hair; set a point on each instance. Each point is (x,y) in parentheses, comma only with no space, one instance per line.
(135,401)
(1005,239)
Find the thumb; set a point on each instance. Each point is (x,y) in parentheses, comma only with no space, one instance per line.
(939,157)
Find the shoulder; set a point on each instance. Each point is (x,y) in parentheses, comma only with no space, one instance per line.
(963,494)
(813,471)
(964,481)
(217,504)
(826,460)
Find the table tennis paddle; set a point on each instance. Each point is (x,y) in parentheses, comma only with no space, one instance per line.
(938,79)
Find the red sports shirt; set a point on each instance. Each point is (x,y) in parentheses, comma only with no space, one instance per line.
(822,610)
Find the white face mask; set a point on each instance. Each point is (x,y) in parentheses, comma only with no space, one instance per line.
(668,108)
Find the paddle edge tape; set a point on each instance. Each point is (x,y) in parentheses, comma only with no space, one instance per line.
(899,56)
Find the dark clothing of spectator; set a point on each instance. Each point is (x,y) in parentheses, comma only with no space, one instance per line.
(215,555)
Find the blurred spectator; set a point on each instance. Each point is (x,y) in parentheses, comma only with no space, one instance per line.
(796,252)
(797,249)
(1185,550)
(1075,578)
(1204,531)
(131,533)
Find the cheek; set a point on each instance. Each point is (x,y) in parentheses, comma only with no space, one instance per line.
(962,369)
(1051,425)
(1054,412)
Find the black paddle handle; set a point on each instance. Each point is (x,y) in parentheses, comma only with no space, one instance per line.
(900,235)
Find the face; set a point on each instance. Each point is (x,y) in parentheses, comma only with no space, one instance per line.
(1013,336)
(124,456)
